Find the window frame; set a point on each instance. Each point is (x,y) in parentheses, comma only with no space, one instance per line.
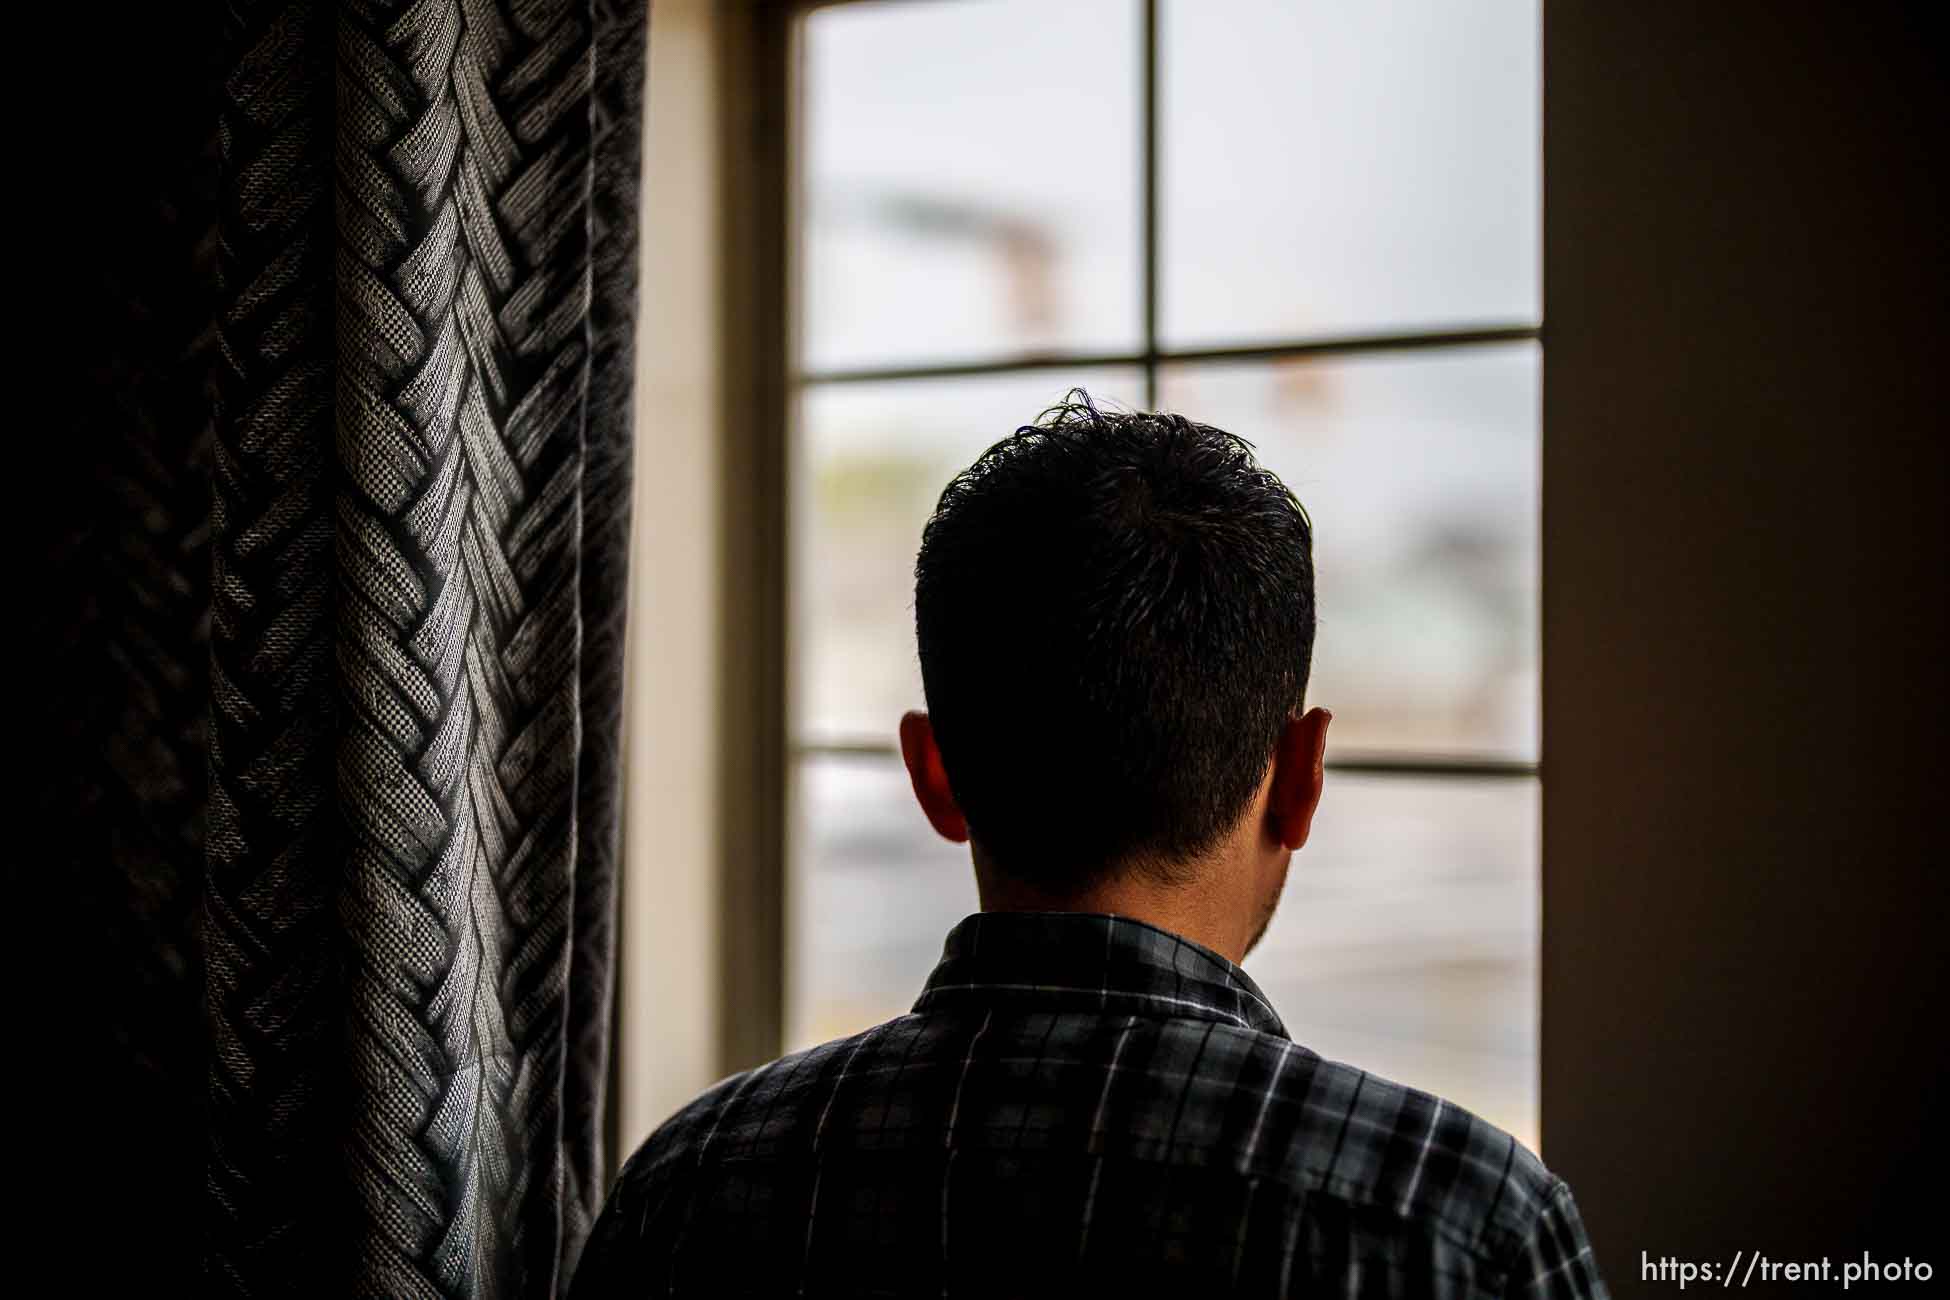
(764,188)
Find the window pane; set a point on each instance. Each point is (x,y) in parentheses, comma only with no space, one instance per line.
(1406,943)
(1420,473)
(970,181)
(874,892)
(1407,939)
(1333,169)
(872,460)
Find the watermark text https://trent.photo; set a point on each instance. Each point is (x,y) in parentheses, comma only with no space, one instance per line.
(1748,1267)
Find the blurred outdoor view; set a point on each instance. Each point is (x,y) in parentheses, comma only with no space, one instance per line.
(971,196)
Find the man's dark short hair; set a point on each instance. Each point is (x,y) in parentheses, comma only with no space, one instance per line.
(1116,617)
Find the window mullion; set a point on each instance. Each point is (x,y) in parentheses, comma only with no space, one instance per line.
(1148,130)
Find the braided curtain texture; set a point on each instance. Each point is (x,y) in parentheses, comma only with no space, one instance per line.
(348,591)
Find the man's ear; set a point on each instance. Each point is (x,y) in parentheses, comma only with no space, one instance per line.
(930,778)
(1299,772)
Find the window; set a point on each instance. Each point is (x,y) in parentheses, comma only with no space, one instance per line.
(1313,224)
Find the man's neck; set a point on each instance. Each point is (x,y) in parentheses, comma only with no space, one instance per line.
(1203,911)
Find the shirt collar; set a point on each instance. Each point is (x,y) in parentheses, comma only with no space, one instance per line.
(1070,961)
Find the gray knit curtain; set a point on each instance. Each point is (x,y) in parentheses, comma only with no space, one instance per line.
(340,622)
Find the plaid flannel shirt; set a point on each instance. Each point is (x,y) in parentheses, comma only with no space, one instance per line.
(1081,1103)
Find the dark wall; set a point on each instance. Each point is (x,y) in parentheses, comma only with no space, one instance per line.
(1744,922)
(108,465)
